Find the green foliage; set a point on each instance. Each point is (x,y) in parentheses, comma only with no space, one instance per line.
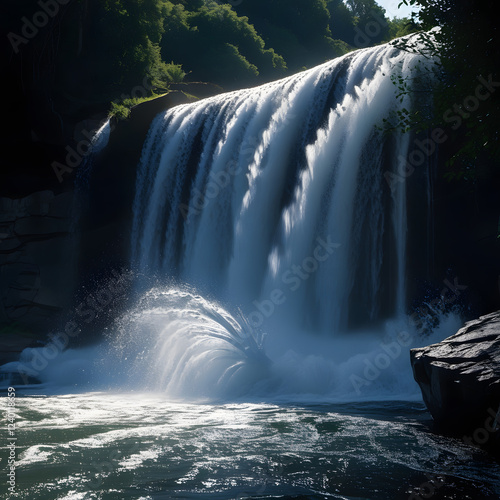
(296,29)
(370,20)
(107,47)
(361,23)
(217,45)
(95,52)
(466,54)
(162,74)
(339,47)
(121,109)
(342,21)
(399,27)
(174,72)
(419,84)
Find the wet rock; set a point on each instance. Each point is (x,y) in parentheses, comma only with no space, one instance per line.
(460,380)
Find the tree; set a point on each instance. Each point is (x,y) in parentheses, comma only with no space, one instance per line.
(399,27)
(369,20)
(297,29)
(120,43)
(217,45)
(342,22)
(466,99)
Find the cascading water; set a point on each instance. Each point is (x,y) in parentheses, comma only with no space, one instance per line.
(264,214)
(98,142)
(274,202)
(235,192)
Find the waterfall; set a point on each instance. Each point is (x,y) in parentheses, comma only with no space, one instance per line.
(98,141)
(275,199)
(275,233)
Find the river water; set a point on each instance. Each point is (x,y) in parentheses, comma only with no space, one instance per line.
(101,445)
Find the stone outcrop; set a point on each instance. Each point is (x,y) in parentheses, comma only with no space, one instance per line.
(36,267)
(460,380)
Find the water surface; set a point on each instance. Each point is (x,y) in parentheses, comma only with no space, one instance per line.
(142,446)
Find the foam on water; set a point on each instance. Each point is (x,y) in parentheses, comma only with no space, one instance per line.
(187,347)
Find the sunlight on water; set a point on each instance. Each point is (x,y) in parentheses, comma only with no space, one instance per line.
(187,347)
(138,445)
(235,193)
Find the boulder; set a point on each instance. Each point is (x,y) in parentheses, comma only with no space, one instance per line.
(460,381)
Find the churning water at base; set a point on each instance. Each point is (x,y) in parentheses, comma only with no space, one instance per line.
(140,446)
(190,348)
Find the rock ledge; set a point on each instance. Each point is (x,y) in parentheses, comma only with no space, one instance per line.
(460,379)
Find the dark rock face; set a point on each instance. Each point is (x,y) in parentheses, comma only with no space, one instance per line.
(54,239)
(36,258)
(460,380)
(105,222)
